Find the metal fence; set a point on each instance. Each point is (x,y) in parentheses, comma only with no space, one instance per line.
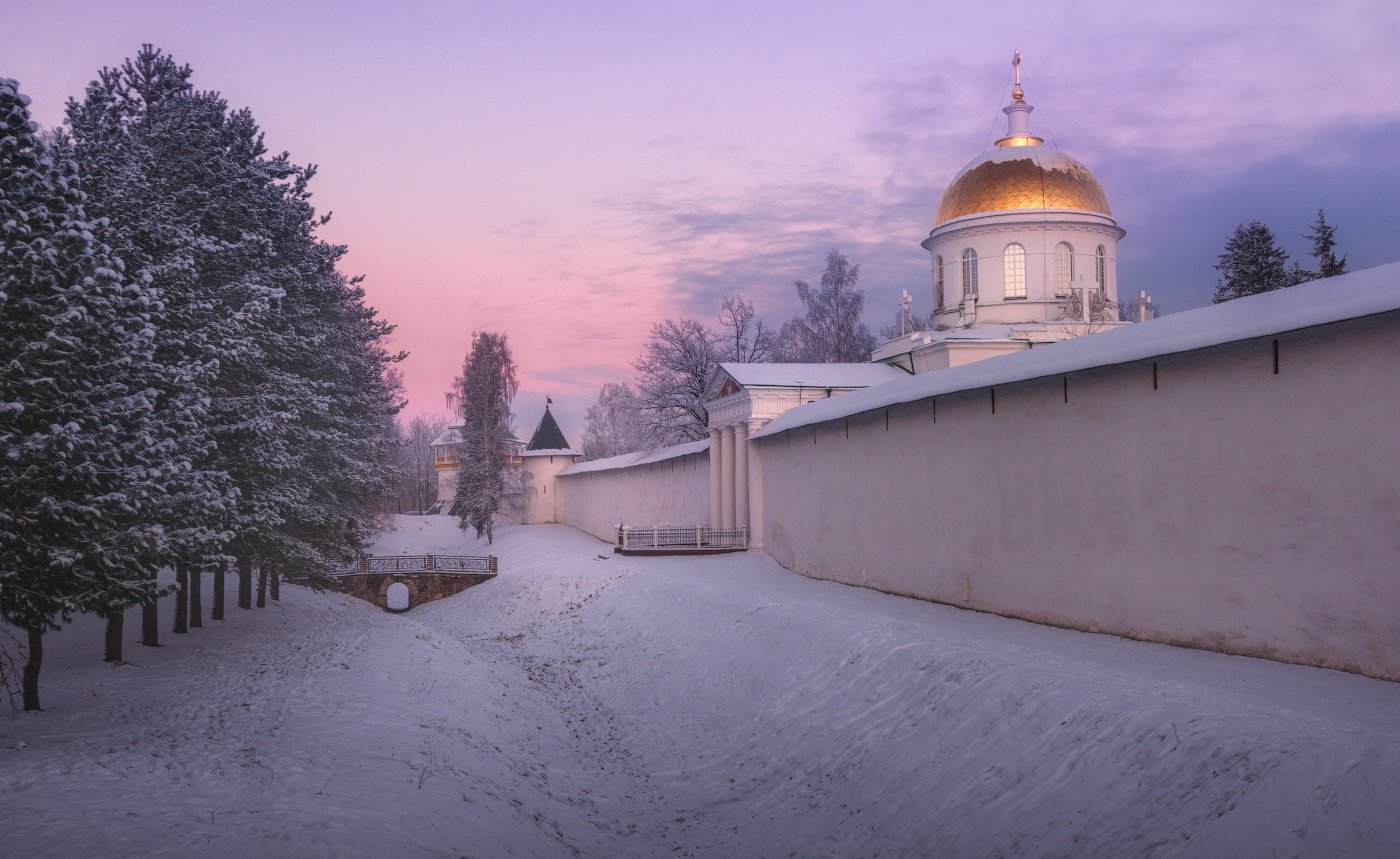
(420,564)
(681,537)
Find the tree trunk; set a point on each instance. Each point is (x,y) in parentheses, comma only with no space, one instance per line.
(276,584)
(196,597)
(150,623)
(31,668)
(112,649)
(216,611)
(182,597)
(262,585)
(245,581)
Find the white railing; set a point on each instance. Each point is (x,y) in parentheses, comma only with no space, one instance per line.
(419,564)
(681,537)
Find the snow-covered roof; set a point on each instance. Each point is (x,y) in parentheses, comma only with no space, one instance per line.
(811,375)
(645,457)
(451,435)
(1349,296)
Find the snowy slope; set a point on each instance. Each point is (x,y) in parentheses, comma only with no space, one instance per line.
(588,704)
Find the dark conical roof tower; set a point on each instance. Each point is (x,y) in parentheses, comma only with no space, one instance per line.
(547,435)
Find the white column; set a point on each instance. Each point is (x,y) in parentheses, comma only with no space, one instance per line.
(755,489)
(726,478)
(741,475)
(716,468)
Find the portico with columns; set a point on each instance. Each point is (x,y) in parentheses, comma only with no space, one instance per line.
(741,399)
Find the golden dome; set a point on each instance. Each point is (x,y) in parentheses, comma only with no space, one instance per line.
(1021,175)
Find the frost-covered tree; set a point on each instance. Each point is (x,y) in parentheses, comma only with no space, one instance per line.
(86,463)
(831,330)
(742,337)
(1324,247)
(287,399)
(484,392)
(416,458)
(671,374)
(613,425)
(672,371)
(153,156)
(1251,263)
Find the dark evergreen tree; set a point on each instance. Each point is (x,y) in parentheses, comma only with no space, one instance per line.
(1324,247)
(1252,263)
(142,138)
(484,393)
(85,461)
(282,355)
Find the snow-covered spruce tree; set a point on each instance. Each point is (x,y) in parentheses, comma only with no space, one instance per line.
(1324,247)
(1252,263)
(346,441)
(671,374)
(85,461)
(613,425)
(484,393)
(137,137)
(831,330)
(272,332)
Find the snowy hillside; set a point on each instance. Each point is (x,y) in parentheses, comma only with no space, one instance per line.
(588,704)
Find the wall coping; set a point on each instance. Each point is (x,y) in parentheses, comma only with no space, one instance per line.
(644,457)
(1337,299)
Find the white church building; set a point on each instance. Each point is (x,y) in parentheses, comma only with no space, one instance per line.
(1220,478)
(1024,249)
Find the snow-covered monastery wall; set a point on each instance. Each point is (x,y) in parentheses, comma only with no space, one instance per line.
(667,486)
(1241,497)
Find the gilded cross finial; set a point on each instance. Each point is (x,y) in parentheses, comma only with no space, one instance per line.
(1016,65)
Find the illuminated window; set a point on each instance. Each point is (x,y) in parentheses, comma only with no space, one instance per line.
(969,272)
(1014,262)
(1101,270)
(938,282)
(1064,268)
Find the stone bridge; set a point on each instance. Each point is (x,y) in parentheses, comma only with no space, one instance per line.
(400,582)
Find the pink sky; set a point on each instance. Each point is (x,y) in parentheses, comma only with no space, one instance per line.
(570,172)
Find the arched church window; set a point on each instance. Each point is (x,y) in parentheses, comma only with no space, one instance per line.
(1014,263)
(969,272)
(1064,268)
(938,282)
(1101,270)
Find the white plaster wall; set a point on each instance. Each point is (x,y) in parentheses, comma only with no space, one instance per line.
(1231,508)
(670,492)
(447,484)
(539,483)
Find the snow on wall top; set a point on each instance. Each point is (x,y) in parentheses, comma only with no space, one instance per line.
(1348,296)
(551,451)
(645,457)
(811,375)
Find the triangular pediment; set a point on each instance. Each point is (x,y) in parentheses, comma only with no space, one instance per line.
(720,385)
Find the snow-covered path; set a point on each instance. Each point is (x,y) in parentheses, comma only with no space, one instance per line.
(588,704)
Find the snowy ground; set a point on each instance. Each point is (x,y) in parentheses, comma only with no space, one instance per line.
(588,704)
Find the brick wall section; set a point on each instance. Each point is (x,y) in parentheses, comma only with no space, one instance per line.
(422,587)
